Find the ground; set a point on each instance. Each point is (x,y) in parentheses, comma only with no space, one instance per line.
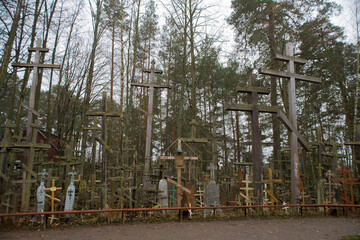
(300,228)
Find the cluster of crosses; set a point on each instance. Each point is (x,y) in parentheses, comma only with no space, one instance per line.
(111,184)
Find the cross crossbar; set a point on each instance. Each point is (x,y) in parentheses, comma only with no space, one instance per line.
(289,75)
(290,58)
(259,90)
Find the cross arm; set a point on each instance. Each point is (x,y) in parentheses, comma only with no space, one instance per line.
(195,140)
(259,90)
(153,70)
(250,108)
(178,185)
(30,65)
(289,58)
(291,128)
(107,114)
(104,144)
(289,75)
(34,49)
(150,85)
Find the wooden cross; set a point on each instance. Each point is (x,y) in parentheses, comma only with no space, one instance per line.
(151,85)
(254,108)
(270,191)
(193,140)
(247,189)
(334,155)
(52,189)
(212,169)
(355,145)
(207,176)
(4,145)
(29,155)
(103,141)
(200,194)
(346,180)
(179,162)
(292,76)
(330,193)
(240,179)
(172,195)
(35,66)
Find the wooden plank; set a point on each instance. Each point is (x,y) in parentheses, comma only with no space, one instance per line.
(289,58)
(34,49)
(30,145)
(259,90)
(291,128)
(153,70)
(352,143)
(173,158)
(32,173)
(31,109)
(195,140)
(100,114)
(250,107)
(3,176)
(31,65)
(104,144)
(289,75)
(150,85)
(178,185)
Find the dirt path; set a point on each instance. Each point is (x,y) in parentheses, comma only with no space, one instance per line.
(305,228)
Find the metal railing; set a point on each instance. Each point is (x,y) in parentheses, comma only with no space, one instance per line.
(246,209)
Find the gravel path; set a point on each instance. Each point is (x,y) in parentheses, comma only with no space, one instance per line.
(304,228)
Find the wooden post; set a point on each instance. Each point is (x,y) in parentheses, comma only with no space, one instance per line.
(292,76)
(151,85)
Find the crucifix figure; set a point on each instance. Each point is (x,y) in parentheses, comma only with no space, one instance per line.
(292,76)
(151,85)
(40,193)
(179,162)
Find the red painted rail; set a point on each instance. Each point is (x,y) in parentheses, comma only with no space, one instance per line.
(180,209)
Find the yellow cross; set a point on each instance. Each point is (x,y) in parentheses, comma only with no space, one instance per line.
(52,196)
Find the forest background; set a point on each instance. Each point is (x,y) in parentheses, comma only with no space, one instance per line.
(103,45)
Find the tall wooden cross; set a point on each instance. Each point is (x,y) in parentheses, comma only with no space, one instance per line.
(103,141)
(254,108)
(151,85)
(193,140)
(36,65)
(292,76)
(179,162)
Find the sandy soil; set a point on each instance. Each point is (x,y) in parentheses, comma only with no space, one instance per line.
(304,228)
